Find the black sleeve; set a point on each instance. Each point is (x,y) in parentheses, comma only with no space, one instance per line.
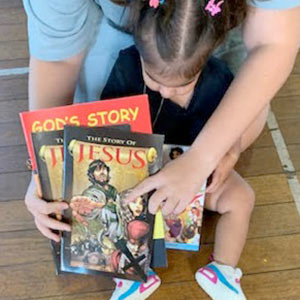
(125,78)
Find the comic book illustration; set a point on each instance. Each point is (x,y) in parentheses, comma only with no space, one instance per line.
(49,153)
(184,231)
(101,167)
(133,110)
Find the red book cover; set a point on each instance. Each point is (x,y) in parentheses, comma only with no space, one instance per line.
(128,110)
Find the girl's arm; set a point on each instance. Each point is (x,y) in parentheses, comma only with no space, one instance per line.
(272,39)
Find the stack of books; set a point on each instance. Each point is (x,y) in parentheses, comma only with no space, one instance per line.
(91,156)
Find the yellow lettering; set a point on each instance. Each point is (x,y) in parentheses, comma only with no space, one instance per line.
(74,121)
(36,126)
(102,115)
(124,115)
(60,123)
(49,125)
(110,116)
(134,113)
(92,120)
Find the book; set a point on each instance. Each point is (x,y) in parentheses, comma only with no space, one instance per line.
(101,167)
(183,232)
(49,153)
(128,110)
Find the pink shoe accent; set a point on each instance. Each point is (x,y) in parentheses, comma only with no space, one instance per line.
(152,279)
(209,274)
(237,280)
(120,284)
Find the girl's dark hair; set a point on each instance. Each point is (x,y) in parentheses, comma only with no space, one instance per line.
(178,36)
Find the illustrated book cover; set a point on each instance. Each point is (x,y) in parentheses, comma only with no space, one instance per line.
(128,110)
(49,153)
(101,167)
(183,231)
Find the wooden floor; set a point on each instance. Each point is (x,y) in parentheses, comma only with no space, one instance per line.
(270,261)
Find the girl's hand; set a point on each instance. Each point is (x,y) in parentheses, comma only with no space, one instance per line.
(176,184)
(224,168)
(40,209)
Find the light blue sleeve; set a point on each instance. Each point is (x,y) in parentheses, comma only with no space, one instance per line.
(59,29)
(274,4)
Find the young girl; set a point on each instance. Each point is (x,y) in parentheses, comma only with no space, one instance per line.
(171,63)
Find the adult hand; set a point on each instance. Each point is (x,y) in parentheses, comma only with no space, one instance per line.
(176,184)
(224,168)
(40,209)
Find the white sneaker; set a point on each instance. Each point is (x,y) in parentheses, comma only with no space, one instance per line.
(220,282)
(135,290)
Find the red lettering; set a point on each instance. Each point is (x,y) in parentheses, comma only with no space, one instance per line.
(106,152)
(140,159)
(118,158)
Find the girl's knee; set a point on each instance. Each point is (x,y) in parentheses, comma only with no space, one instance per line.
(238,197)
(248,197)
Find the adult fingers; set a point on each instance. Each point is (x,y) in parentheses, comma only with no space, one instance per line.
(47,232)
(156,199)
(144,187)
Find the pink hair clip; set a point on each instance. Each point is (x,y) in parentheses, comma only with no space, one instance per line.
(155,3)
(214,8)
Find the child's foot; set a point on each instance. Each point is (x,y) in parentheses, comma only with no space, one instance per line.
(221,282)
(135,290)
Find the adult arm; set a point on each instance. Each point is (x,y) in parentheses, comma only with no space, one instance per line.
(272,39)
(59,34)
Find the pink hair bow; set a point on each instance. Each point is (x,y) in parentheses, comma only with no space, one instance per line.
(214,8)
(155,3)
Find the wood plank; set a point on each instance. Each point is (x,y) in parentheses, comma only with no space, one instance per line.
(13,159)
(291,87)
(39,280)
(259,161)
(23,247)
(282,285)
(15,216)
(264,140)
(14,50)
(14,63)
(9,110)
(12,16)
(104,295)
(296,69)
(13,32)
(267,286)
(294,151)
(13,87)
(266,221)
(11,134)
(11,3)
(14,185)
(290,129)
(286,107)
(270,189)
(260,255)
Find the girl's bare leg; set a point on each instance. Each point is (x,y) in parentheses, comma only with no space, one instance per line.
(234,200)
